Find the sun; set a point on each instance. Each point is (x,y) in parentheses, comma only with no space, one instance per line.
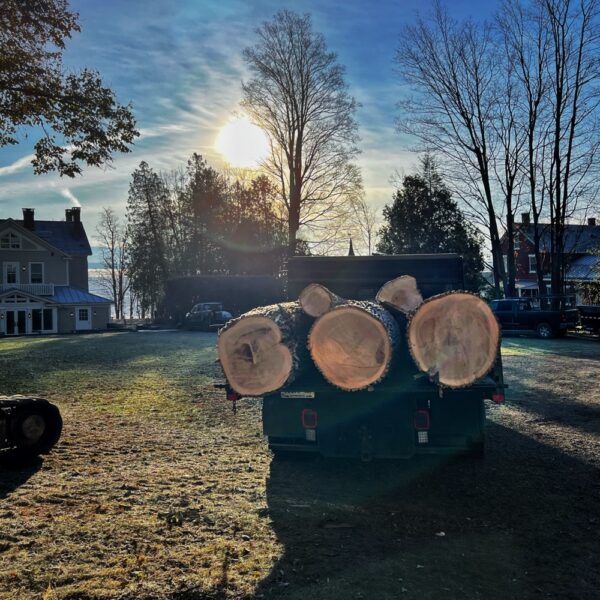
(242,144)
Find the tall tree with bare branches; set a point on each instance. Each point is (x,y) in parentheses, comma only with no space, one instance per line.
(298,95)
(112,235)
(452,71)
(574,70)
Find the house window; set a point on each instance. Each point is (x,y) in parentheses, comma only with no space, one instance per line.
(10,241)
(12,273)
(532,265)
(84,314)
(36,272)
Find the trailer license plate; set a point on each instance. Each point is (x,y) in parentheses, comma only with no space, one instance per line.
(297,394)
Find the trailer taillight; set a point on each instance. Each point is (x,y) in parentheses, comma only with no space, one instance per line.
(232,396)
(498,398)
(309,418)
(421,420)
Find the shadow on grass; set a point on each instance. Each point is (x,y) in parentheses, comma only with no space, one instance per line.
(15,472)
(519,524)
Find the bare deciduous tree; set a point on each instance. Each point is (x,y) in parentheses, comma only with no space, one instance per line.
(112,236)
(574,73)
(297,94)
(451,67)
(366,224)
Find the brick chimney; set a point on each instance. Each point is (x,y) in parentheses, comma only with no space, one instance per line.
(592,221)
(525,219)
(76,212)
(28,218)
(68,215)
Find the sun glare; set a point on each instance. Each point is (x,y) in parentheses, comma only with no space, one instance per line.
(242,144)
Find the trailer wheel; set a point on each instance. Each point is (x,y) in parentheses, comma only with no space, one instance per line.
(36,428)
(544,330)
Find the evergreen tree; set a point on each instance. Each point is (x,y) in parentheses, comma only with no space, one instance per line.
(148,261)
(425,219)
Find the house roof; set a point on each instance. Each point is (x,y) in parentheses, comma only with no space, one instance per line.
(584,268)
(579,239)
(64,294)
(70,237)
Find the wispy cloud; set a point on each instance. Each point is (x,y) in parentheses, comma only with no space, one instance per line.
(17,165)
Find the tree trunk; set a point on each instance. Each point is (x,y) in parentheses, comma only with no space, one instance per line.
(315,300)
(400,294)
(260,351)
(454,337)
(352,344)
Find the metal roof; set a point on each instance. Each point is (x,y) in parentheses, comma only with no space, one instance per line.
(579,239)
(584,268)
(70,237)
(70,295)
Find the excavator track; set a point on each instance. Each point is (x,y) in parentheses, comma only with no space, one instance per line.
(29,426)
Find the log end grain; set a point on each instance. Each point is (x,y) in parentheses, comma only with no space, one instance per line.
(454,337)
(350,347)
(252,356)
(401,294)
(315,300)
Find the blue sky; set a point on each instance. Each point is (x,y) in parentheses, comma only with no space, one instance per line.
(180,64)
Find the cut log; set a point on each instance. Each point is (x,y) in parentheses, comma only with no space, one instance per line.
(400,294)
(454,337)
(261,350)
(352,344)
(315,300)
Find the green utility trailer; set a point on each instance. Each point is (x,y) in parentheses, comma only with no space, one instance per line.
(404,415)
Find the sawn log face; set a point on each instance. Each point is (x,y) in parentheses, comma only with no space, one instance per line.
(454,337)
(261,351)
(353,344)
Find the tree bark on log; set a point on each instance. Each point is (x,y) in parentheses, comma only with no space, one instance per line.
(261,351)
(353,344)
(400,294)
(454,337)
(315,300)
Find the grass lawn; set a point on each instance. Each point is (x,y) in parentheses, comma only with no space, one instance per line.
(156,490)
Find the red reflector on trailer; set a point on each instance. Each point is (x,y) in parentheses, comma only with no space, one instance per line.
(421,420)
(498,398)
(232,396)
(309,418)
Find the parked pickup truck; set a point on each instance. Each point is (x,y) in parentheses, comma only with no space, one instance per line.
(520,315)
(590,318)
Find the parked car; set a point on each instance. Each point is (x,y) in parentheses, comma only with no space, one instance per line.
(206,316)
(521,315)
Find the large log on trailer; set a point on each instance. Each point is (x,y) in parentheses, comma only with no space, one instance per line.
(400,294)
(261,350)
(353,344)
(454,337)
(315,300)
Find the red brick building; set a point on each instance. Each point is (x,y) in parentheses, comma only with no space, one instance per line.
(580,243)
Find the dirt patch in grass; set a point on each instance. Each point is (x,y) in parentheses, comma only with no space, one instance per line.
(157,490)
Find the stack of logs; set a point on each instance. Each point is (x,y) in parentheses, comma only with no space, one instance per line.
(453,337)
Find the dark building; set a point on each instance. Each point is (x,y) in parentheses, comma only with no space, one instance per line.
(583,265)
